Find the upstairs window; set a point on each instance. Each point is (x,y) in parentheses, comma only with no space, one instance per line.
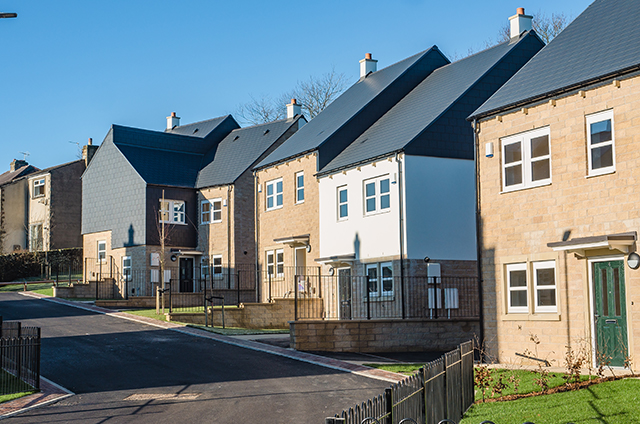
(526,160)
(172,211)
(274,194)
(601,145)
(377,195)
(343,205)
(211,211)
(38,187)
(300,187)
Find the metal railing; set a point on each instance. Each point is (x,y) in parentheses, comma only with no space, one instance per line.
(442,389)
(19,358)
(361,297)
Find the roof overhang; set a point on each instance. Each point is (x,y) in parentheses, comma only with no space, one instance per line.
(337,260)
(180,252)
(294,241)
(617,242)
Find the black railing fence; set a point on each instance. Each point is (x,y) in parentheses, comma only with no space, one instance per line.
(19,358)
(360,297)
(442,389)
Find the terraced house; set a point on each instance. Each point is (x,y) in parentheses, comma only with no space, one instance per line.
(558,165)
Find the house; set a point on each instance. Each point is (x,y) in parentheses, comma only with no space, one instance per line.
(150,202)
(404,190)
(13,208)
(42,207)
(288,201)
(559,217)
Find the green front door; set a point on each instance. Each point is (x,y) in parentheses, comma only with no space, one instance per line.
(610,313)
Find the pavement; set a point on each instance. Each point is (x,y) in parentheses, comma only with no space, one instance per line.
(274,344)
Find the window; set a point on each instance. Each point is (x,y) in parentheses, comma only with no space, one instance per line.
(377,196)
(216,264)
(300,187)
(526,160)
(380,279)
(36,238)
(274,194)
(102,251)
(275,262)
(38,188)
(517,286)
(172,211)
(544,280)
(343,206)
(204,268)
(601,146)
(211,211)
(126,268)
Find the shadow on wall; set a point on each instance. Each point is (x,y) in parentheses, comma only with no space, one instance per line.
(131,233)
(356,246)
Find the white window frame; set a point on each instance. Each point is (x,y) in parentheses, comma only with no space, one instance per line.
(593,119)
(526,161)
(205,212)
(212,208)
(172,214)
(517,267)
(39,187)
(126,269)
(216,266)
(102,251)
(537,288)
(275,262)
(276,196)
(299,187)
(340,190)
(378,197)
(204,268)
(380,278)
(36,237)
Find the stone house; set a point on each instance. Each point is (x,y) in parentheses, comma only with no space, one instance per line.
(160,208)
(13,207)
(557,166)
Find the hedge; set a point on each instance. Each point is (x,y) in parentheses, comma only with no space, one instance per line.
(21,265)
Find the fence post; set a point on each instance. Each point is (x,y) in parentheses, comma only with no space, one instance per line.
(38,347)
(295,298)
(368,299)
(170,298)
(269,275)
(238,284)
(436,298)
(388,403)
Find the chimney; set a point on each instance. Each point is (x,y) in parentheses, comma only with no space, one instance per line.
(172,121)
(520,22)
(88,151)
(367,65)
(17,164)
(293,109)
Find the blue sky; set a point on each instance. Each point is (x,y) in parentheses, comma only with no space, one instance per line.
(71,68)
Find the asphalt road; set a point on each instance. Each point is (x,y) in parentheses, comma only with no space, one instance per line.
(107,360)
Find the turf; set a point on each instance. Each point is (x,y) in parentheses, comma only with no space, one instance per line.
(614,402)
(7,398)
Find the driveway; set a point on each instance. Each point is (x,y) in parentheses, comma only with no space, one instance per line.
(125,371)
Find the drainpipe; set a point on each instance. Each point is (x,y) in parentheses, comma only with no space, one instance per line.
(229,190)
(256,223)
(478,236)
(401,215)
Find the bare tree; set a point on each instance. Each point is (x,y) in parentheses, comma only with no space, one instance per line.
(314,94)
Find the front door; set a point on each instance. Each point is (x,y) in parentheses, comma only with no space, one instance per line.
(344,290)
(610,313)
(186,275)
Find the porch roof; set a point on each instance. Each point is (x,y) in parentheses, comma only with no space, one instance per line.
(620,242)
(337,259)
(300,240)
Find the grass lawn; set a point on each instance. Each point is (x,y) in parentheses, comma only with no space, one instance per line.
(407,369)
(42,288)
(611,402)
(7,398)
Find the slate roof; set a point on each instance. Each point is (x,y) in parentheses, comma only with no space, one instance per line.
(603,41)
(198,129)
(9,176)
(359,100)
(431,99)
(53,168)
(239,150)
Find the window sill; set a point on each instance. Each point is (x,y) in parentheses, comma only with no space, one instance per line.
(525,188)
(374,213)
(273,209)
(383,298)
(598,174)
(549,316)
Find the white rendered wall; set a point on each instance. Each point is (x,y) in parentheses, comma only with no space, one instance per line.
(368,236)
(440,208)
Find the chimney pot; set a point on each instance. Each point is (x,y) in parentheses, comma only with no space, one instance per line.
(294,101)
(90,143)
(368,65)
(173,114)
(520,22)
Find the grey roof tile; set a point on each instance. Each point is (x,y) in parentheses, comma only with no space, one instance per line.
(602,41)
